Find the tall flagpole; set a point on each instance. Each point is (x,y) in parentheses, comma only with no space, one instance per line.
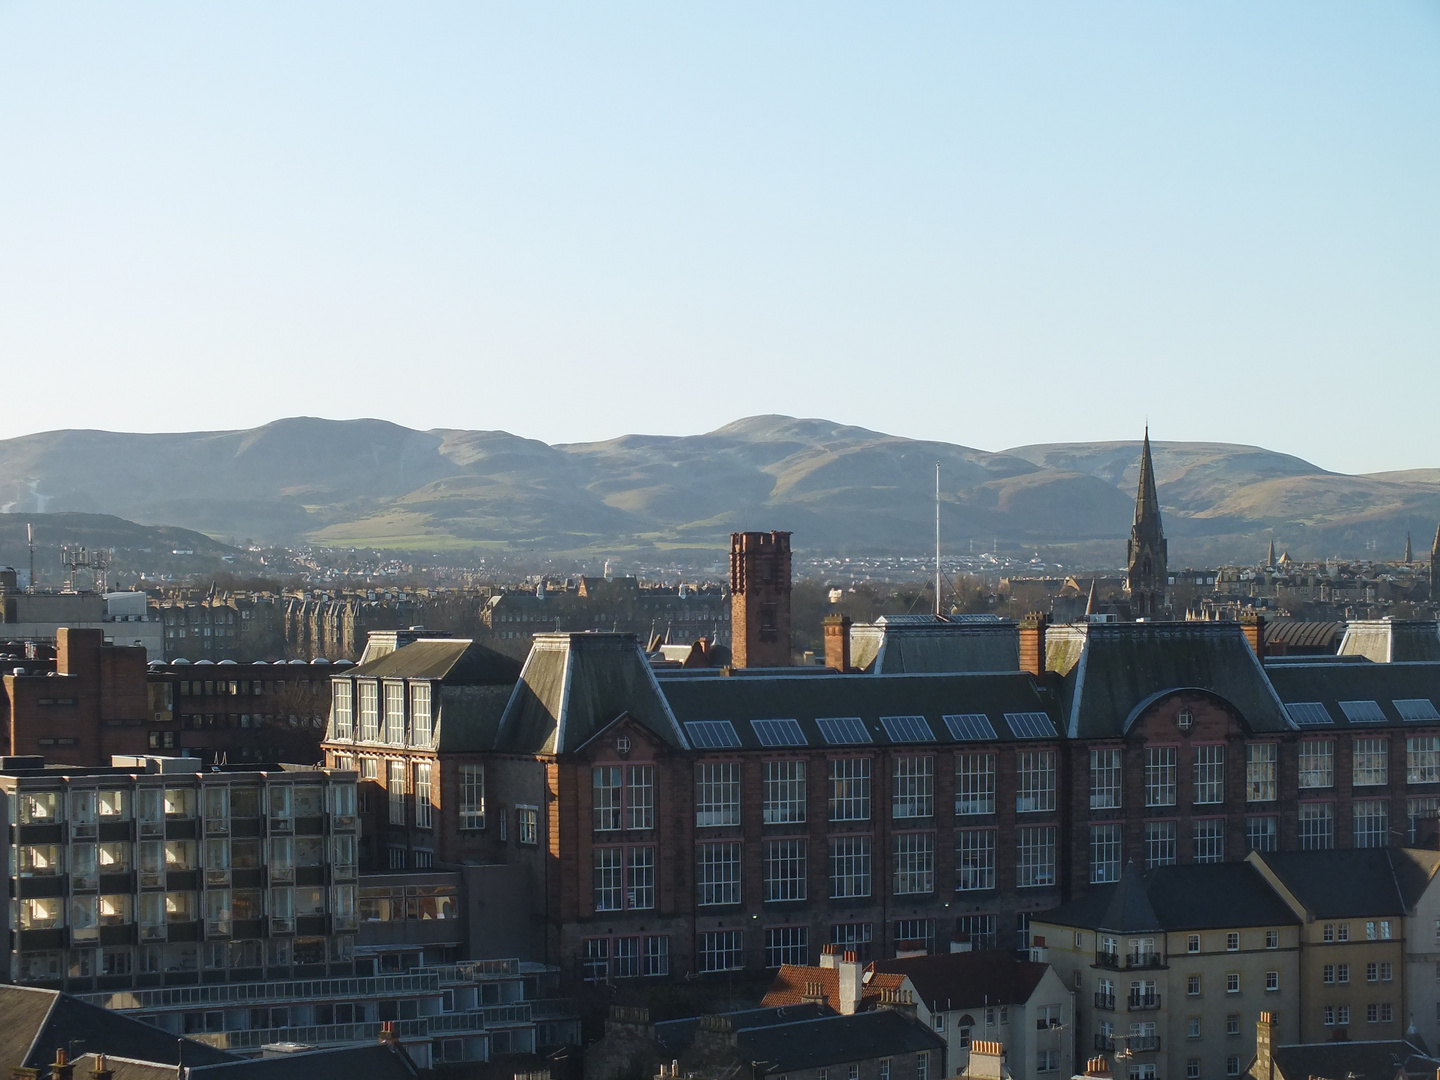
(937,539)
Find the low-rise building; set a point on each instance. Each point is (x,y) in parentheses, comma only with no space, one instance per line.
(1175,966)
(1378,1059)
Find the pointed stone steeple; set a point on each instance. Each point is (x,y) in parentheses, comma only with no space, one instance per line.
(1147,580)
(1092,605)
(1435,569)
(1407,547)
(1270,558)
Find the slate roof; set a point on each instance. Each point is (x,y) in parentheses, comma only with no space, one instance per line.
(1123,667)
(36,1022)
(1205,896)
(834,1040)
(964,979)
(895,646)
(1303,634)
(1387,641)
(1344,680)
(454,661)
(805,698)
(788,988)
(675,1036)
(573,685)
(1352,883)
(1352,1060)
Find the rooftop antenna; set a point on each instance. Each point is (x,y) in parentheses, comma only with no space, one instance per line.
(937,540)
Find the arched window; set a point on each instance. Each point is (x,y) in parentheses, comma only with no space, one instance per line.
(962,1028)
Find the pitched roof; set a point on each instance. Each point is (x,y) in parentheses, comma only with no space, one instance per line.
(1303,634)
(573,685)
(808,698)
(1205,896)
(1350,883)
(454,661)
(1114,670)
(1392,640)
(890,646)
(1352,1060)
(675,1036)
(1344,680)
(790,982)
(834,1040)
(377,1061)
(37,1022)
(964,979)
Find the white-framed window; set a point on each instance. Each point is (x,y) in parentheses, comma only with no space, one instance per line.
(913,789)
(717,873)
(605,800)
(1262,832)
(974,784)
(608,865)
(786,869)
(1232,982)
(721,950)
(787,945)
(1372,823)
(1232,1065)
(1317,763)
(979,930)
(1370,762)
(849,866)
(1047,1060)
(1317,826)
(369,710)
(1261,772)
(1422,759)
(395,783)
(657,955)
(1106,851)
(974,859)
(640,877)
(395,713)
(922,1065)
(1232,941)
(1034,856)
(784,792)
(422,723)
(717,794)
(1159,844)
(850,789)
(342,709)
(1272,981)
(913,863)
(424,807)
(1209,839)
(1160,776)
(472,796)
(527,824)
(1421,813)
(1034,781)
(1209,774)
(639,796)
(1105,779)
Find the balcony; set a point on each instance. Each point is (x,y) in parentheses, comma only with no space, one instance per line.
(1143,1044)
(1105,1043)
(1107,960)
(1105,1001)
(1144,960)
(1143,1002)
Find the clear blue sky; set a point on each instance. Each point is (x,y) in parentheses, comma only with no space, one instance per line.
(988,223)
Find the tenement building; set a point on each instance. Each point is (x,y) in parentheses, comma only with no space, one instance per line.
(668,821)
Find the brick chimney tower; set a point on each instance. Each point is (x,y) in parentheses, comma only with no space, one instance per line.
(760,599)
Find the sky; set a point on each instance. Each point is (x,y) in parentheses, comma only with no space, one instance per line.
(990,224)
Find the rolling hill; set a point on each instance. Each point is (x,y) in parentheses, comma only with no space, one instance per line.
(840,489)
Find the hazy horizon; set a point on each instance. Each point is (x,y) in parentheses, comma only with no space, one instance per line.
(933,220)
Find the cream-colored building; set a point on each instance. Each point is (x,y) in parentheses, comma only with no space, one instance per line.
(1370,939)
(1172,967)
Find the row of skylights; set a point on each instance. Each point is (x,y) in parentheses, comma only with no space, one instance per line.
(1308,713)
(1363,712)
(851,730)
(1314,713)
(1416,708)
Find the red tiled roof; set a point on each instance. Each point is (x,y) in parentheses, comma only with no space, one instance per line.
(789,985)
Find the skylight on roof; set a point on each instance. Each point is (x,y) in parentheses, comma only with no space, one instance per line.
(1030,725)
(712,734)
(970,726)
(1363,712)
(1416,708)
(1308,713)
(907,729)
(843,730)
(779,732)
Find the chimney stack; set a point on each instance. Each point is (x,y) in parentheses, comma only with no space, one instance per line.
(62,1069)
(102,1070)
(837,642)
(848,970)
(1032,643)
(1264,1034)
(1252,625)
(828,955)
(987,1060)
(387,1034)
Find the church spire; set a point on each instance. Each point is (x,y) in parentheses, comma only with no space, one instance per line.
(1407,547)
(1092,605)
(1147,580)
(1435,569)
(1147,503)
(1270,558)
